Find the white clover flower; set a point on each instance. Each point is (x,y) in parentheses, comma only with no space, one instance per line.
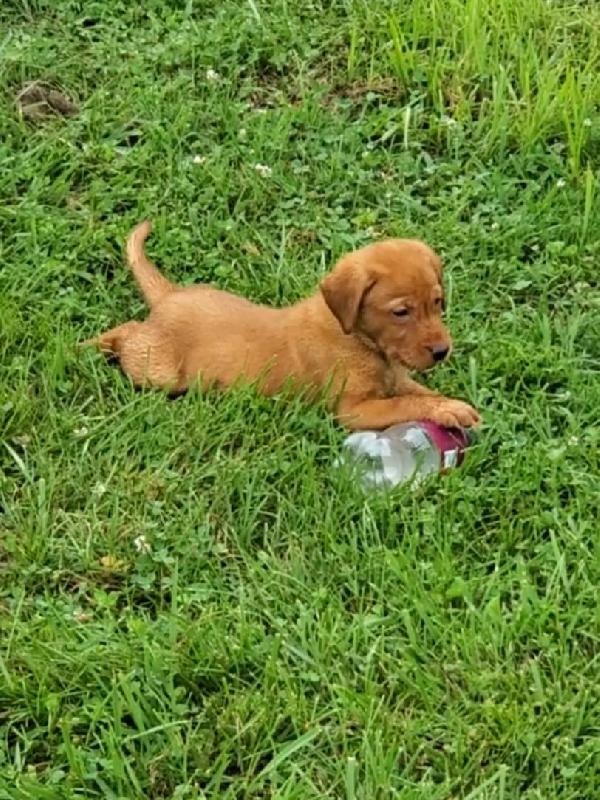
(212,75)
(198,159)
(449,121)
(263,170)
(561,183)
(141,544)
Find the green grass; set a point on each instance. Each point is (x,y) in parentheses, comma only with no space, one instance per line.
(277,634)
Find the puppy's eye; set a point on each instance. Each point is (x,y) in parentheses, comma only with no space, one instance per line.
(439,302)
(401,312)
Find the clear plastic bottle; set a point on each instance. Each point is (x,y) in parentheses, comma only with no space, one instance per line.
(406,452)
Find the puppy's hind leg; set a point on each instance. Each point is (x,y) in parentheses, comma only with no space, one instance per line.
(145,355)
(110,342)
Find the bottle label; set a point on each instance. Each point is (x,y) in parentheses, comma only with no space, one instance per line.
(451,443)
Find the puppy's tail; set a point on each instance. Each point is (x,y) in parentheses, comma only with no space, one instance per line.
(153,285)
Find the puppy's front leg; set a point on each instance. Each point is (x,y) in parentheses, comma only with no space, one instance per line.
(378,413)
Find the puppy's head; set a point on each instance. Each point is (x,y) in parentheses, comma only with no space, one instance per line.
(391,292)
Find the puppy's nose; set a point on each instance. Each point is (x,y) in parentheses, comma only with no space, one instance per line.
(439,351)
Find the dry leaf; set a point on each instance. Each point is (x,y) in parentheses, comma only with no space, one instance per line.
(112,563)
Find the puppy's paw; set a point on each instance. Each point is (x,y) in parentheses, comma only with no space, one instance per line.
(454,414)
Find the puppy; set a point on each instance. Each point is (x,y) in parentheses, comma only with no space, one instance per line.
(376,317)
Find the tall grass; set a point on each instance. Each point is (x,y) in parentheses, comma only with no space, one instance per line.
(515,74)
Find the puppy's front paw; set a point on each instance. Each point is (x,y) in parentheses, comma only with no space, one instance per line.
(454,414)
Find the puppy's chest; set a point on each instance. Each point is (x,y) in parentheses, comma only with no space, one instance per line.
(393,378)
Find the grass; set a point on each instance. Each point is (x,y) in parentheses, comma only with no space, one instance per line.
(275,633)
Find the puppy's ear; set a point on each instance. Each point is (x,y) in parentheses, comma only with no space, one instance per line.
(344,289)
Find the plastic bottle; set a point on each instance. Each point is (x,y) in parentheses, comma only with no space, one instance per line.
(406,452)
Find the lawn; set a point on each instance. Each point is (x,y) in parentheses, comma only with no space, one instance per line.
(194,601)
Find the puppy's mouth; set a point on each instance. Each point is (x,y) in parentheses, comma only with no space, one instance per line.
(426,358)
(409,363)
(420,362)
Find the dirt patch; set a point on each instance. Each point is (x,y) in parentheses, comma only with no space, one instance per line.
(37,101)
(273,88)
(379,90)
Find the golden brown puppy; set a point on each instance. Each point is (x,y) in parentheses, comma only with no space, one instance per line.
(377,316)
